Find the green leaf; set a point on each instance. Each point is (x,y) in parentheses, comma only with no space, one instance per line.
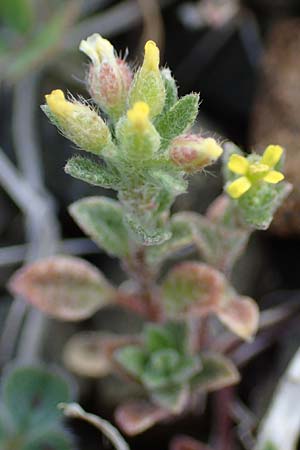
(17,13)
(132,358)
(170,335)
(170,88)
(216,373)
(101,218)
(144,235)
(89,171)
(219,245)
(31,395)
(64,287)
(173,398)
(51,440)
(174,182)
(182,237)
(178,119)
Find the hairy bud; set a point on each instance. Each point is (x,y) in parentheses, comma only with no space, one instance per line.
(136,134)
(148,85)
(109,77)
(78,122)
(192,152)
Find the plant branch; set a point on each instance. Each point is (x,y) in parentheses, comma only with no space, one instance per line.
(75,411)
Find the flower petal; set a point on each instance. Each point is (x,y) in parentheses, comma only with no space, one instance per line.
(273,177)
(238,187)
(272,155)
(238,164)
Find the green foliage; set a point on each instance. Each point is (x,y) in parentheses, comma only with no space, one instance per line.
(170,89)
(181,239)
(17,13)
(91,172)
(102,219)
(18,60)
(135,155)
(178,119)
(31,419)
(164,365)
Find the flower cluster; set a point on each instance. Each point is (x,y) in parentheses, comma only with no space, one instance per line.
(142,137)
(254,170)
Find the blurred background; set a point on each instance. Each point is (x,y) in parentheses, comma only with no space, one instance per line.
(243,58)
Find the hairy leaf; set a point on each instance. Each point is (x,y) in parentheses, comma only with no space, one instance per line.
(135,417)
(192,286)
(216,373)
(144,235)
(182,238)
(64,287)
(173,398)
(170,335)
(240,315)
(89,171)
(258,205)
(178,119)
(170,88)
(132,358)
(101,218)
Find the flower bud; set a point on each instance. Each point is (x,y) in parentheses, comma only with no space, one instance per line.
(192,152)
(109,78)
(138,137)
(148,85)
(78,122)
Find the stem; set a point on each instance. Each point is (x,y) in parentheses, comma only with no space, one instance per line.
(137,268)
(75,411)
(223,432)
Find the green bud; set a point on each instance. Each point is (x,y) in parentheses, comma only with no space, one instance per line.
(148,85)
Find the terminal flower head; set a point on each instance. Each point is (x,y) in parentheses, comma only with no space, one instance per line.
(253,170)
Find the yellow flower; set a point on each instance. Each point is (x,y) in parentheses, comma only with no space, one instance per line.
(58,105)
(139,116)
(253,172)
(151,58)
(98,49)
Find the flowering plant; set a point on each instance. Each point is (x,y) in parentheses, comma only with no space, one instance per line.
(137,136)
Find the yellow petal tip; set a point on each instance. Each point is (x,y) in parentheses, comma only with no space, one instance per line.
(151,58)
(138,115)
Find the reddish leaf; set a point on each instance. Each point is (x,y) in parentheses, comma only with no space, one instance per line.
(64,287)
(240,315)
(137,416)
(187,443)
(195,289)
